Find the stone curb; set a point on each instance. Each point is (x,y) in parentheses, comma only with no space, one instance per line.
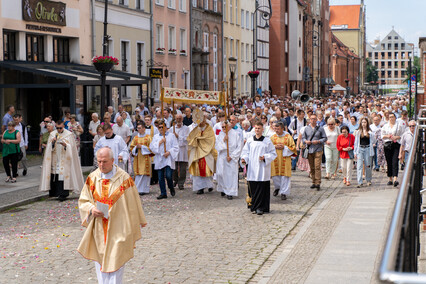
(23,202)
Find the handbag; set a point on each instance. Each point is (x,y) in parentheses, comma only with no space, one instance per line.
(388,144)
(306,150)
(351,152)
(18,150)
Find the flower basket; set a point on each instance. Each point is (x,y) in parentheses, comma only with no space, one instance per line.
(104,63)
(183,52)
(160,50)
(172,51)
(253,74)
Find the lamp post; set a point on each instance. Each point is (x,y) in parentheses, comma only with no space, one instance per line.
(232,67)
(266,15)
(104,53)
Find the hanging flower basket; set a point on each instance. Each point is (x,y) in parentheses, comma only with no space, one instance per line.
(104,63)
(253,74)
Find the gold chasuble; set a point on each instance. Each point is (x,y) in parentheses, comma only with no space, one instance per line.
(281,166)
(110,242)
(141,163)
(201,151)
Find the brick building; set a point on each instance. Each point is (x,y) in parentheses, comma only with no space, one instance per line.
(422,54)
(344,65)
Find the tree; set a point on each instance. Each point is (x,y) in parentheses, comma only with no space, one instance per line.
(416,64)
(371,74)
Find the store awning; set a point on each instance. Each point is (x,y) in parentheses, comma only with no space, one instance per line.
(45,73)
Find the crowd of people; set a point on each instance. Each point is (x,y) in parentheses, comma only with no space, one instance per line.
(346,136)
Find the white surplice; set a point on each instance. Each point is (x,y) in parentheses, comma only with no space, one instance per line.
(182,133)
(227,172)
(172,147)
(253,149)
(118,147)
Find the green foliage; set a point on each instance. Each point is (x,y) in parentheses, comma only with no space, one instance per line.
(371,74)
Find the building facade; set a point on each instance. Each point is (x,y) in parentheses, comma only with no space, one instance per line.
(391,56)
(344,66)
(261,62)
(206,44)
(129,41)
(295,66)
(347,23)
(171,43)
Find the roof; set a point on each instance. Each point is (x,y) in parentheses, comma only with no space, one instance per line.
(342,50)
(349,15)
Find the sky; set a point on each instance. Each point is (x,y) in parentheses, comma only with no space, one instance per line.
(406,16)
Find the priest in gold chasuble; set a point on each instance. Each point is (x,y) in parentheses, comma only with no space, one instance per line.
(202,154)
(111,210)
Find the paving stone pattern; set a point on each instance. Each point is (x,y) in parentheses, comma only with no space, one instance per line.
(189,238)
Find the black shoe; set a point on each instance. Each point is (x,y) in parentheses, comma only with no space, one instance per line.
(276,192)
(172,192)
(318,187)
(230,197)
(390,183)
(293,169)
(396,183)
(61,198)
(24,172)
(283,197)
(377,169)
(201,191)
(259,212)
(222,194)
(313,186)
(210,189)
(142,193)
(161,196)
(402,167)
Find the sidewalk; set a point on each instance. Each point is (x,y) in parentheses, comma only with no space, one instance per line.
(342,241)
(25,190)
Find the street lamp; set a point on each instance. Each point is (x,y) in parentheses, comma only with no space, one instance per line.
(266,12)
(104,53)
(232,67)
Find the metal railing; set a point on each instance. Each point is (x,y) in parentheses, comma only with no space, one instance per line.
(399,262)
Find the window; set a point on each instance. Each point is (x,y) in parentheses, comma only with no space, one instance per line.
(242,51)
(370,54)
(396,64)
(225,43)
(252,50)
(123,2)
(35,48)
(124,56)
(159,40)
(389,74)
(389,55)
(247,19)
(224,10)
(173,79)
(231,48)
(396,55)
(215,5)
(206,42)
(382,54)
(182,41)
(159,2)
(215,64)
(376,55)
(61,48)
(242,18)
(9,46)
(194,3)
(236,14)
(171,4)
(382,64)
(389,37)
(402,45)
(206,4)
(140,4)
(252,21)
(230,12)
(402,64)
(395,37)
(172,38)
(403,73)
(140,58)
(396,46)
(182,5)
(389,64)
(389,45)
(110,47)
(247,52)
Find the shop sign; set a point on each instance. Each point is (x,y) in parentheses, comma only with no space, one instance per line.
(156,73)
(44,11)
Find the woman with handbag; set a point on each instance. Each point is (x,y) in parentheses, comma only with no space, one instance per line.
(345,145)
(330,150)
(10,140)
(364,151)
(391,135)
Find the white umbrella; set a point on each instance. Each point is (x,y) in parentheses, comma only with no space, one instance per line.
(338,88)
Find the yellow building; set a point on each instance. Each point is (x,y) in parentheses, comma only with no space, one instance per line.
(347,22)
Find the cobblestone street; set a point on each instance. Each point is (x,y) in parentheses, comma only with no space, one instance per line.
(189,238)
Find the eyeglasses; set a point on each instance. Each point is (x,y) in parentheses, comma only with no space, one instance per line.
(160,127)
(331,124)
(46,121)
(412,126)
(59,128)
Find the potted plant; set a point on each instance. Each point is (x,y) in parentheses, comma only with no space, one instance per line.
(160,50)
(172,51)
(104,63)
(182,52)
(253,74)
